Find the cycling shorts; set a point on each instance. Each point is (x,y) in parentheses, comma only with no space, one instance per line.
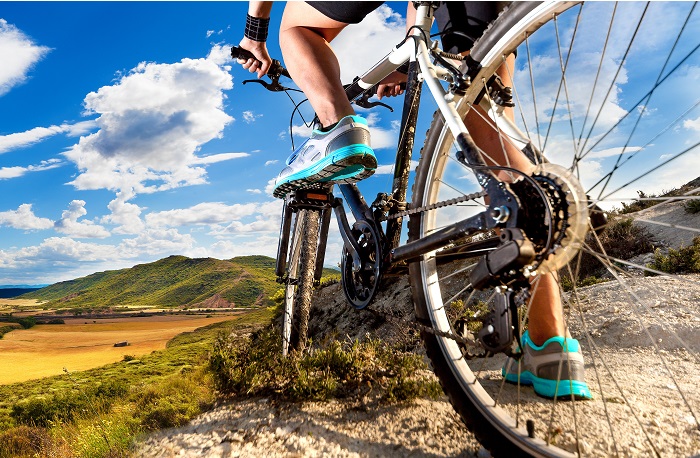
(347,12)
(460,23)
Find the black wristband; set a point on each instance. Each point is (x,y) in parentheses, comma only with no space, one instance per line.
(256,28)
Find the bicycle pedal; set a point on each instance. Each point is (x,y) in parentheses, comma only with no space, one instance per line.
(314,195)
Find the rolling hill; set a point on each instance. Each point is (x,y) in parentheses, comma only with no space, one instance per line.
(170,282)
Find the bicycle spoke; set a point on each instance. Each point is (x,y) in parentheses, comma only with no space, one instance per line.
(562,83)
(617,74)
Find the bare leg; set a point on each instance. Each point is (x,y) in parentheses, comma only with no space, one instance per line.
(546,314)
(304,37)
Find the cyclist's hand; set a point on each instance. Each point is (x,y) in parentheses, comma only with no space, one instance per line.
(261,64)
(390,86)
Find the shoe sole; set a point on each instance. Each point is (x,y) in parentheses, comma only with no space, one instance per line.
(347,165)
(549,388)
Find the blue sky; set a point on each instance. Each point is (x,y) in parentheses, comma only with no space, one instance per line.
(127,136)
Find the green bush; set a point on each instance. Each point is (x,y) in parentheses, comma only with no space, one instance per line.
(692,206)
(174,401)
(5,329)
(65,406)
(620,239)
(43,410)
(255,367)
(681,261)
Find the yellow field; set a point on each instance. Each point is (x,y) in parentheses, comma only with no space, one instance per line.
(45,350)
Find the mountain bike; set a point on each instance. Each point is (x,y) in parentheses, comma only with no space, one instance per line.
(592,86)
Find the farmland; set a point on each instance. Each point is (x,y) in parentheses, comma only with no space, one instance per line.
(85,343)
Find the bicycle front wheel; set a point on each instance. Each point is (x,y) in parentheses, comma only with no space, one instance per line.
(610,92)
(300,280)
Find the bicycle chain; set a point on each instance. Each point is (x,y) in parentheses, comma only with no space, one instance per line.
(436,205)
(429,329)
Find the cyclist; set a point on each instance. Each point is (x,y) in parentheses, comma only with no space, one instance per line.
(339,151)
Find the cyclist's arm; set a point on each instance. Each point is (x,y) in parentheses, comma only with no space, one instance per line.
(390,86)
(257,10)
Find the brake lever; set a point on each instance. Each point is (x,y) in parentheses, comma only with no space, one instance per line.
(274,86)
(365,103)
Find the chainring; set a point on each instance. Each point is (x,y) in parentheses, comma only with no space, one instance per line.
(361,287)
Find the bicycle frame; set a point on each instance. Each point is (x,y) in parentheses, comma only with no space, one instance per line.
(415,50)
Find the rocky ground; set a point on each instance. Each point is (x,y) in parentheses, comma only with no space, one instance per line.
(619,318)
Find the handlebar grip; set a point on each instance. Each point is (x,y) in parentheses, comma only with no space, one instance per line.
(275,67)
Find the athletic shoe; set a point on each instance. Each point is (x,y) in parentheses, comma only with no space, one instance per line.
(341,155)
(540,366)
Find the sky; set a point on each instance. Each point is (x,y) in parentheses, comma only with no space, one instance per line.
(126,134)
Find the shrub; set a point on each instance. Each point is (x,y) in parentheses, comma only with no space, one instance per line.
(67,405)
(43,410)
(174,401)
(255,367)
(692,206)
(23,441)
(637,205)
(681,261)
(620,239)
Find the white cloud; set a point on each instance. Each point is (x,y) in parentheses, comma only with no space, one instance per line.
(57,259)
(260,245)
(24,218)
(613,152)
(692,124)
(37,134)
(18,171)
(157,242)
(151,124)
(69,224)
(381,137)
(388,169)
(249,116)
(208,213)
(125,215)
(254,191)
(18,55)
(383,28)
(274,161)
(214,158)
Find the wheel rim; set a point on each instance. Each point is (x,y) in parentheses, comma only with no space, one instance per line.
(622,405)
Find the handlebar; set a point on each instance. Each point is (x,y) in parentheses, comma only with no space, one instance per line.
(356,94)
(276,67)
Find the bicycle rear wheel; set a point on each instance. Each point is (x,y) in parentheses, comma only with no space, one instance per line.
(611,92)
(300,280)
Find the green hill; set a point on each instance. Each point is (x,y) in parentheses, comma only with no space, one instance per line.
(174,281)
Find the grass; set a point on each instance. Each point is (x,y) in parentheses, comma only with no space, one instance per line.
(100,412)
(254,366)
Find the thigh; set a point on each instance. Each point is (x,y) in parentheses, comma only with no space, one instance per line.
(301,14)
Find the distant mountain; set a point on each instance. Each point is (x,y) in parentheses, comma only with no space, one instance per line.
(9,291)
(174,281)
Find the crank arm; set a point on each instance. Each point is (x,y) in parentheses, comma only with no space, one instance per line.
(346,233)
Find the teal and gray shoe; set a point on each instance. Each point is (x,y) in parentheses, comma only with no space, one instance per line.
(555,369)
(341,155)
